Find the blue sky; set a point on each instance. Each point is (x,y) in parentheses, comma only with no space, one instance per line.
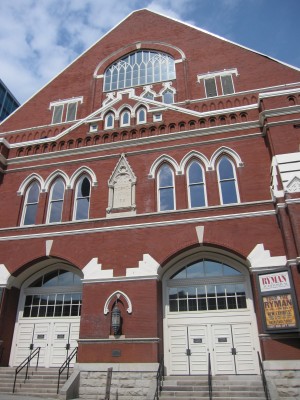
(38,38)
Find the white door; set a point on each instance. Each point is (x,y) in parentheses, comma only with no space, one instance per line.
(178,350)
(223,359)
(64,340)
(56,339)
(198,346)
(246,358)
(233,349)
(188,350)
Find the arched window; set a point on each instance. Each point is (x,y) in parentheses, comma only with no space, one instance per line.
(31,204)
(60,295)
(166,199)
(82,198)
(207,285)
(141,116)
(196,185)
(125,118)
(56,201)
(139,68)
(109,121)
(148,95)
(227,181)
(168,97)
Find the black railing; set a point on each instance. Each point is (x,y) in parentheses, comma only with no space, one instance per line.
(209,378)
(159,379)
(25,363)
(263,378)
(65,365)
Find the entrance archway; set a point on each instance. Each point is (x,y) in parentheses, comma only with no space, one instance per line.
(48,315)
(208,312)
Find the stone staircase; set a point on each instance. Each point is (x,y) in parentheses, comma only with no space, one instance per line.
(225,387)
(41,383)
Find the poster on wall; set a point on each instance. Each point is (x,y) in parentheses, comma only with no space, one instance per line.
(278,304)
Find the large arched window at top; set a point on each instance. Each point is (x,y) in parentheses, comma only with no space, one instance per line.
(207,285)
(31,204)
(56,200)
(227,181)
(139,68)
(196,185)
(166,198)
(82,198)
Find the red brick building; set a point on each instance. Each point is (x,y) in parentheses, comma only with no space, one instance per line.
(158,174)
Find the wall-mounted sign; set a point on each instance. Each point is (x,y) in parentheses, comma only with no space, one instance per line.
(278,303)
(276,281)
(279,311)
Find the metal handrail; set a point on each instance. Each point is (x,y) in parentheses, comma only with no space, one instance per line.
(263,378)
(159,379)
(66,364)
(209,378)
(25,363)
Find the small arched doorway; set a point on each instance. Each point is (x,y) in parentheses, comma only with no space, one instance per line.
(208,312)
(48,315)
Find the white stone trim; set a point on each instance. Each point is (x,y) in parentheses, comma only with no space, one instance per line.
(4,275)
(228,152)
(161,159)
(82,170)
(93,270)
(66,101)
(117,294)
(174,222)
(54,175)
(198,156)
(224,72)
(32,177)
(147,267)
(261,259)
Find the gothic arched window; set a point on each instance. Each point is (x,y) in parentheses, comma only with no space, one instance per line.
(139,68)
(56,201)
(227,181)
(166,198)
(196,185)
(82,198)
(31,204)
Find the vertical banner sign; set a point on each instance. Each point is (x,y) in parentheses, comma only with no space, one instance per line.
(278,302)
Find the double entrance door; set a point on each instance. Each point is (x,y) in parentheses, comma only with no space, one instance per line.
(230,347)
(56,339)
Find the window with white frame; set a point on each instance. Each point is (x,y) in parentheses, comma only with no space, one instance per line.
(196,185)
(56,200)
(139,68)
(148,95)
(166,189)
(141,115)
(227,181)
(168,97)
(82,198)
(65,110)
(207,285)
(125,118)
(31,204)
(222,79)
(109,121)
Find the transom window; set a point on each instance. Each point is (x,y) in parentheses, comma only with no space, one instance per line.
(139,68)
(189,289)
(52,296)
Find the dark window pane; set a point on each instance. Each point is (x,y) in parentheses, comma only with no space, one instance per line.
(182,305)
(30,214)
(173,305)
(168,97)
(82,210)
(242,303)
(227,84)
(166,199)
(51,279)
(202,306)
(71,111)
(221,303)
(197,196)
(57,114)
(210,86)
(228,192)
(212,304)
(195,173)
(42,311)
(33,193)
(34,312)
(192,304)
(56,211)
(225,169)
(231,302)
(26,312)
